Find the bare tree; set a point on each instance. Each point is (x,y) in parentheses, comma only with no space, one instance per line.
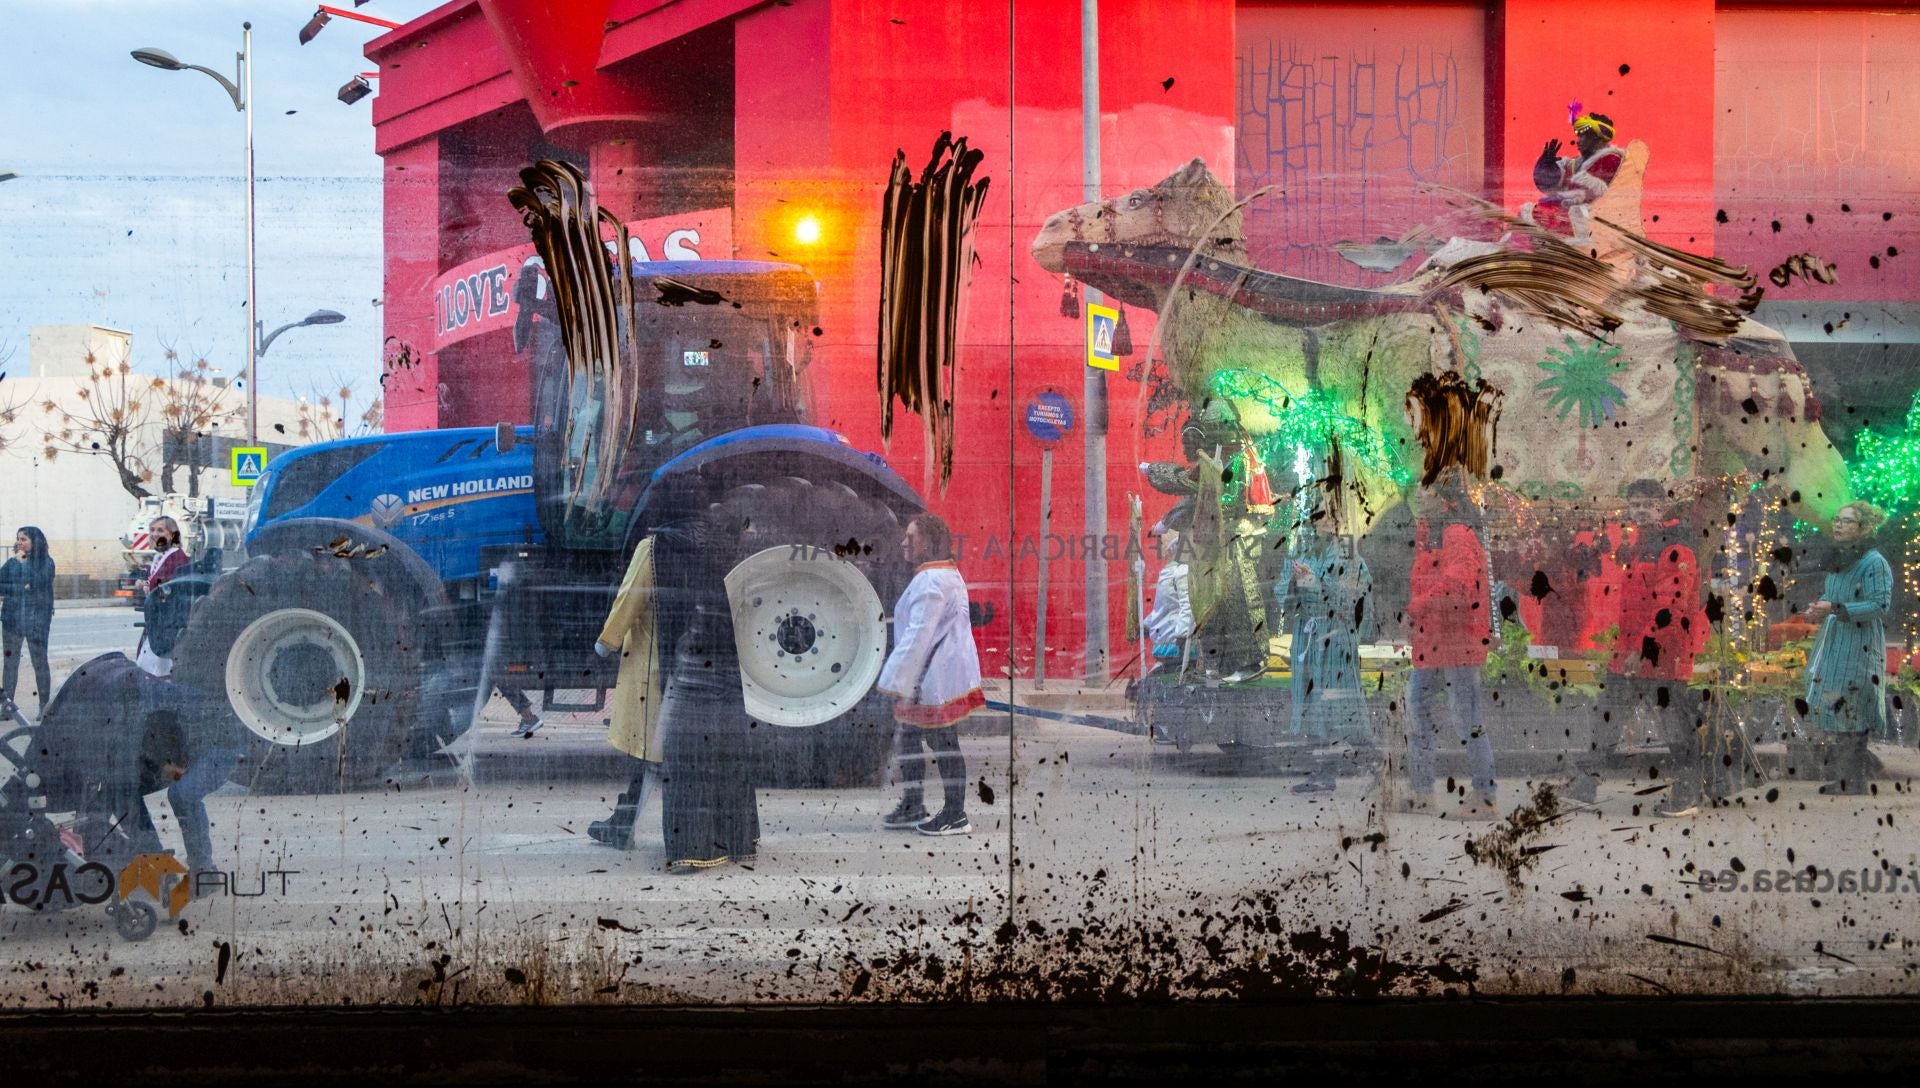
(11,403)
(114,406)
(373,418)
(324,417)
(195,405)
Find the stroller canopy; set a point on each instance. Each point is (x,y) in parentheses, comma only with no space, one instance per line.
(112,726)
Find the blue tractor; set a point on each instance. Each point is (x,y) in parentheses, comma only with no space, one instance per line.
(393,581)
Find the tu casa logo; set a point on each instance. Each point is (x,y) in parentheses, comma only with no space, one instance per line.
(60,885)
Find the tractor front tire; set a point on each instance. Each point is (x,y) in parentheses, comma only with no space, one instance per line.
(853,749)
(318,661)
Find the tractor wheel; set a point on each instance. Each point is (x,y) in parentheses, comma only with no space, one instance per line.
(319,663)
(853,749)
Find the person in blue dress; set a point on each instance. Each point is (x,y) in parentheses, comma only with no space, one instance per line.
(1327,600)
(1846,671)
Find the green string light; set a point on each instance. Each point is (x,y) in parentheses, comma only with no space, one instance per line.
(1236,473)
(1885,469)
(1310,421)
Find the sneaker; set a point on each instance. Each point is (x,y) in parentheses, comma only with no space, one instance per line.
(1672,810)
(612,832)
(947,823)
(528,729)
(904,816)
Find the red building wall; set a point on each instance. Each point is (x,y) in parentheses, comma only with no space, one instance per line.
(1820,105)
(823,93)
(1648,64)
(778,111)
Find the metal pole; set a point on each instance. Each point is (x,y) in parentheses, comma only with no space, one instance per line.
(1046,538)
(1140,591)
(1095,382)
(253,310)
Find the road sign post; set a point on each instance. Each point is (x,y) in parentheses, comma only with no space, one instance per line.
(1049,419)
(1103,325)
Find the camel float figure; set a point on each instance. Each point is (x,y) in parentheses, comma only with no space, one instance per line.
(1616,358)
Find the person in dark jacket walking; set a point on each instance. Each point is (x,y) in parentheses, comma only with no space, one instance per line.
(26,617)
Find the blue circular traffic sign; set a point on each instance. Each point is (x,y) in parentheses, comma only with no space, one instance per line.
(1049,416)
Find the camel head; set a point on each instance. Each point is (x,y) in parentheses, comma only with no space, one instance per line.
(1176,212)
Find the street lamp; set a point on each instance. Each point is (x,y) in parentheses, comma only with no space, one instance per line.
(240,89)
(317,317)
(353,90)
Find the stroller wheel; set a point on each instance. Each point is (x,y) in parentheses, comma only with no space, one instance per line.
(134,919)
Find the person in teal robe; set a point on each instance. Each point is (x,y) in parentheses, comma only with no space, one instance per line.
(1846,671)
(1328,601)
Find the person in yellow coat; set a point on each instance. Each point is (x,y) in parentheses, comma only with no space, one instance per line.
(631,631)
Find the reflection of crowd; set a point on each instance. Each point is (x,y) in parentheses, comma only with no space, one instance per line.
(678,707)
(1625,595)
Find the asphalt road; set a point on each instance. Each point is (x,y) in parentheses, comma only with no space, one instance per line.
(1101,865)
(89,630)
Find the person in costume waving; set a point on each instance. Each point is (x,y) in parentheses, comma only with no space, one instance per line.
(1570,184)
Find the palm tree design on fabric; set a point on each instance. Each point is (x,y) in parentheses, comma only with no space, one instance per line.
(1580,378)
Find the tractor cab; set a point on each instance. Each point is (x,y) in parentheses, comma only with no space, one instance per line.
(715,346)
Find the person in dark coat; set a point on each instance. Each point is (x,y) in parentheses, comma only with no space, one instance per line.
(709,814)
(26,581)
(202,749)
(115,733)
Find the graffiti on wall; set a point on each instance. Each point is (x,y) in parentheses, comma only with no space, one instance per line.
(1349,134)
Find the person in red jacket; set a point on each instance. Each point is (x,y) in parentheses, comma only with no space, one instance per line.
(1660,626)
(1451,616)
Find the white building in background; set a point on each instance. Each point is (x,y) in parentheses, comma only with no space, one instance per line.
(76,499)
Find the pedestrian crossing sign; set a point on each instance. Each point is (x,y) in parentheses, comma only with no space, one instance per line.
(1101,323)
(248,463)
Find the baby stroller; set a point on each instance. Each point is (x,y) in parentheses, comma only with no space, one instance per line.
(73,813)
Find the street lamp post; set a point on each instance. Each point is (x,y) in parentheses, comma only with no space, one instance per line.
(1094,381)
(317,317)
(240,89)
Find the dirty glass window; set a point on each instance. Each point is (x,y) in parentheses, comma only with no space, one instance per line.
(524,502)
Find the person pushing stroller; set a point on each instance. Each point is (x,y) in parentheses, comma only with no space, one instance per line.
(114,733)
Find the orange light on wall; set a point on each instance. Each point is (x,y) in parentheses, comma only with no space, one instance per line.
(807,230)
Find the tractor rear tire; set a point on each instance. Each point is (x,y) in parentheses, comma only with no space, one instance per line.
(851,751)
(318,661)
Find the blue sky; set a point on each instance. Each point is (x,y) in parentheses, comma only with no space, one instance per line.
(129,213)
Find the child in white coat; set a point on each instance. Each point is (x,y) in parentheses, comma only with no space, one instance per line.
(933,674)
